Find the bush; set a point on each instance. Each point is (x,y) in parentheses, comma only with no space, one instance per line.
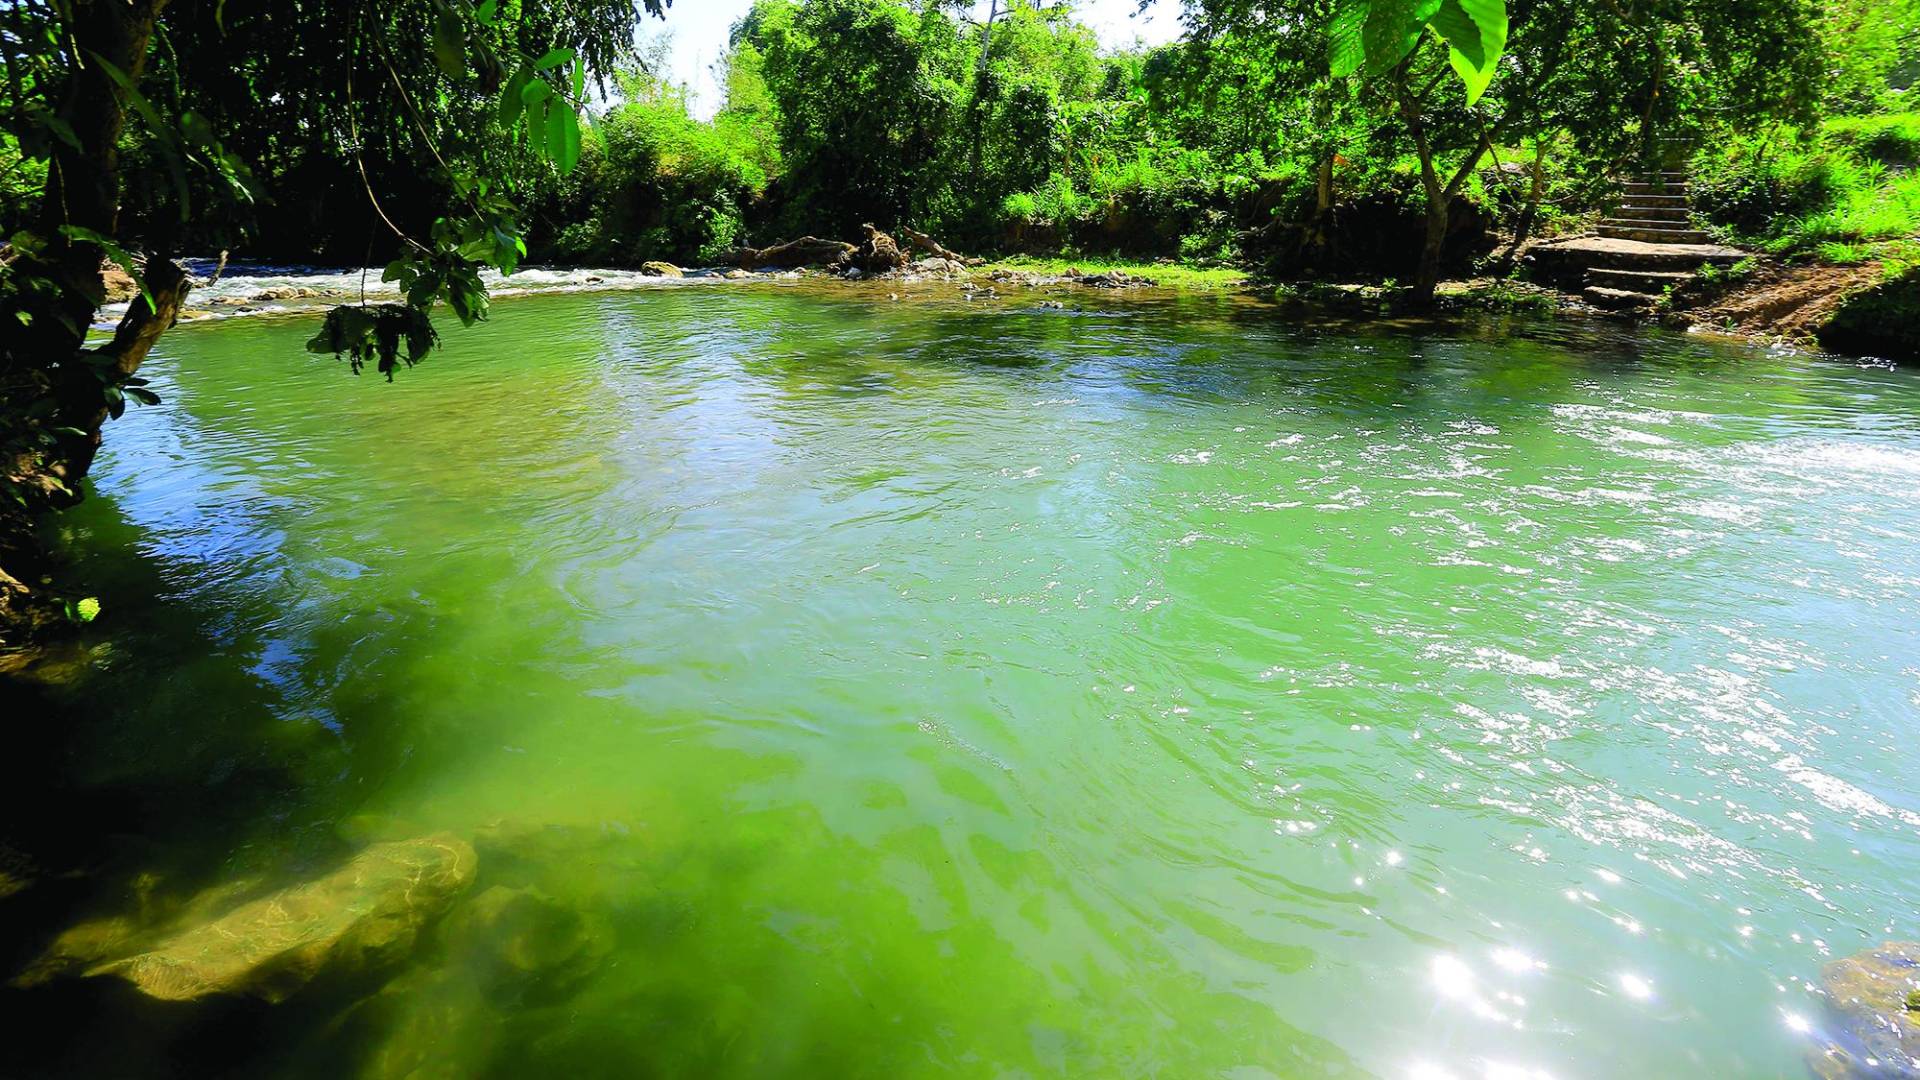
(656,183)
(1834,194)
(1755,184)
(1892,139)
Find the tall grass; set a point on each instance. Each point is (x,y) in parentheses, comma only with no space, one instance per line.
(1845,192)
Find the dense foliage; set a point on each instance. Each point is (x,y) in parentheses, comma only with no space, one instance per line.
(1241,141)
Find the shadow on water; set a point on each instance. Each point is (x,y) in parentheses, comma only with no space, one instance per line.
(137,780)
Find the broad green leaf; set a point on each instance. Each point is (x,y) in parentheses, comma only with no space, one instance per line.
(486,11)
(449,43)
(536,123)
(553,59)
(579,81)
(563,137)
(510,100)
(162,131)
(1476,36)
(535,92)
(1345,53)
(1375,35)
(1392,29)
(60,128)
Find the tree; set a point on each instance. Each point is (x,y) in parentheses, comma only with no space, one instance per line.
(219,94)
(1615,75)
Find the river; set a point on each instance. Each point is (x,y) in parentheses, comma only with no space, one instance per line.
(1144,686)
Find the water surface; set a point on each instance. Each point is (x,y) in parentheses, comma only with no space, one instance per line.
(975,688)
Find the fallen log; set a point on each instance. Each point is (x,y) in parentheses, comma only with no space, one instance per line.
(806,251)
(931,246)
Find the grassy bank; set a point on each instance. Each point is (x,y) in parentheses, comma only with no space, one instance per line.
(1846,192)
(1166,275)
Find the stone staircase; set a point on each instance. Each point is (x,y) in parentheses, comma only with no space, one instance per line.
(1621,274)
(1653,210)
(1648,246)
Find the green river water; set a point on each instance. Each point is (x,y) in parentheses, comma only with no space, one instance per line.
(1146,687)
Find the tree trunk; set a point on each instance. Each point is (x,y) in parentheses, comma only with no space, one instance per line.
(83,198)
(977,134)
(1322,206)
(1427,277)
(1536,189)
(168,283)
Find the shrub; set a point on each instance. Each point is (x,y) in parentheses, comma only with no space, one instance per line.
(1892,139)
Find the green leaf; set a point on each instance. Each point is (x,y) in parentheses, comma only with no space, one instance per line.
(563,137)
(162,131)
(1476,35)
(579,81)
(535,92)
(553,59)
(87,609)
(1345,53)
(449,43)
(1392,29)
(60,128)
(486,12)
(510,96)
(537,125)
(142,395)
(1378,34)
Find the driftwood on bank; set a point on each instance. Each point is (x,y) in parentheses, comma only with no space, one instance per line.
(931,246)
(806,251)
(876,253)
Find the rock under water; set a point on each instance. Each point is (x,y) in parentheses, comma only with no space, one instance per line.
(362,918)
(1872,996)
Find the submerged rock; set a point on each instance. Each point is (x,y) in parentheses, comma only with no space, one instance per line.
(657,268)
(524,944)
(362,918)
(1872,996)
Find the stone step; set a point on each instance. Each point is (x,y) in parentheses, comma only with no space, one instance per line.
(1655,232)
(1634,187)
(1618,299)
(1629,211)
(1566,263)
(1652,282)
(1648,198)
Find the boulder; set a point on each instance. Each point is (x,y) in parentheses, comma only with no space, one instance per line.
(656,268)
(1880,320)
(1873,998)
(360,919)
(942,266)
(120,286)
(736,274)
